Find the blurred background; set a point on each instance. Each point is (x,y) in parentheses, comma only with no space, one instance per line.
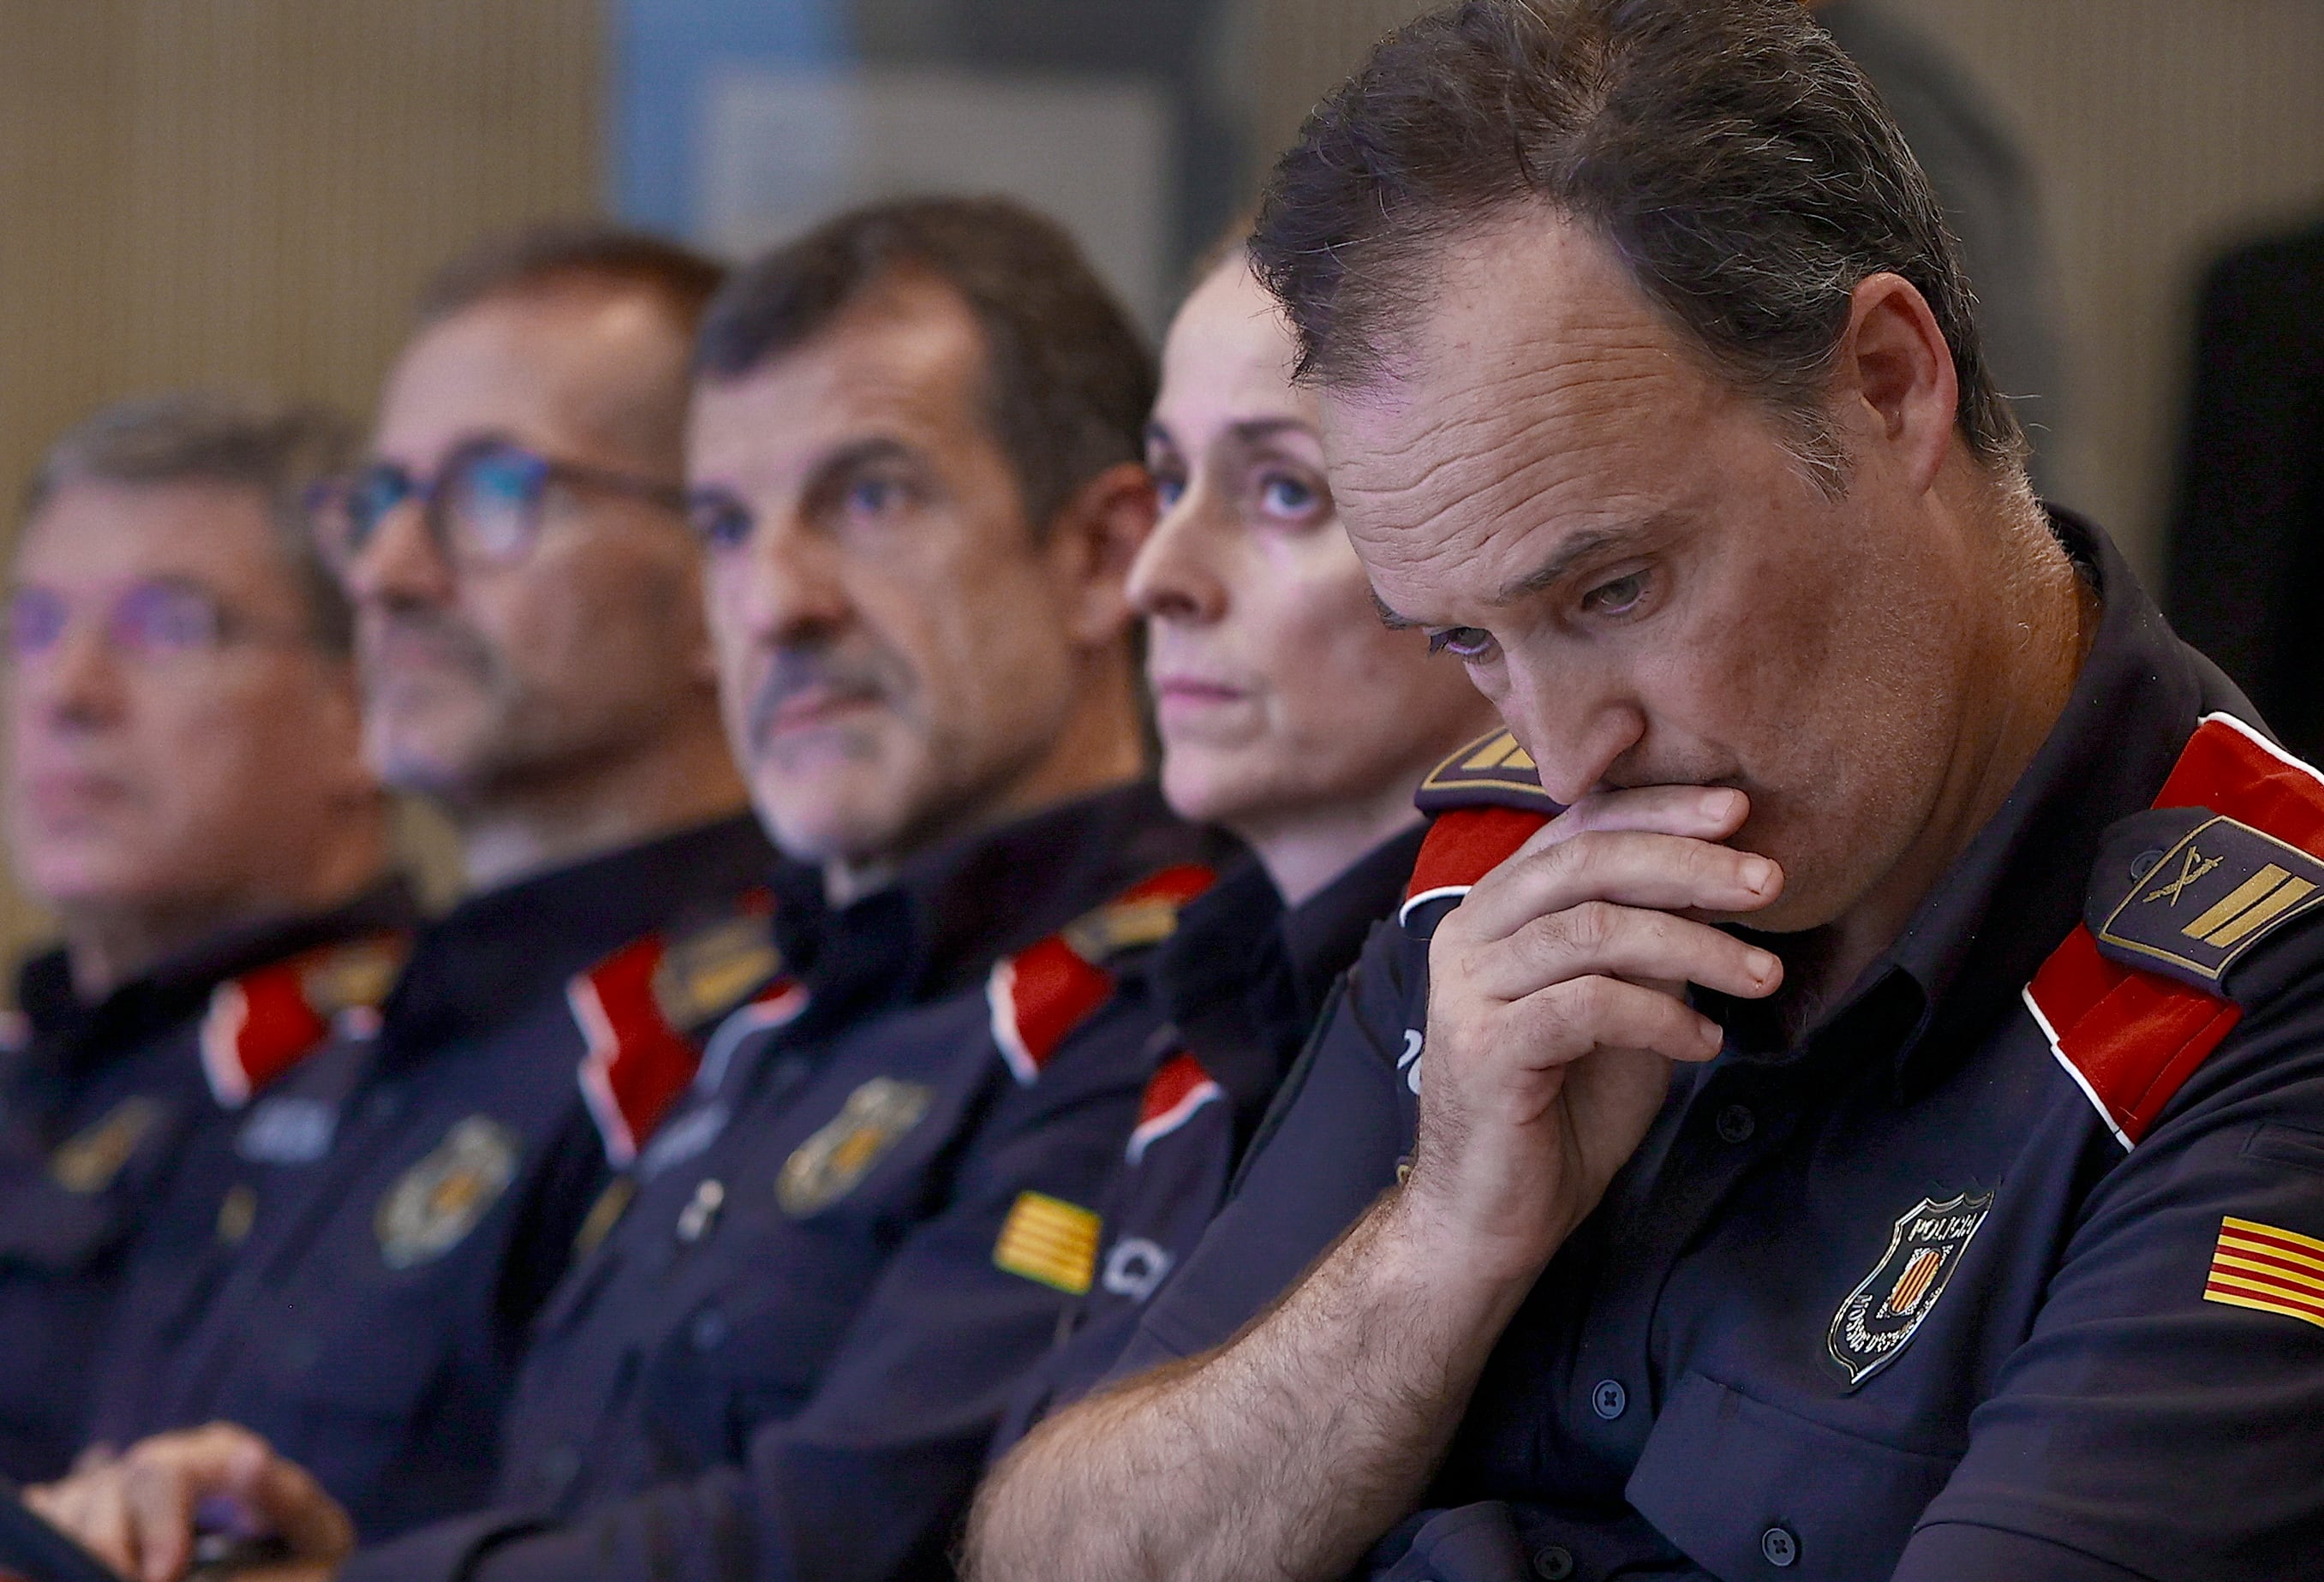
(247,192)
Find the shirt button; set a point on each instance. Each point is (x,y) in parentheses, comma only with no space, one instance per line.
(1735,1124)
(1608,1399)
(559,1466)
(694,1220)
(1552,1564)
(1779,1546)
(710,1330)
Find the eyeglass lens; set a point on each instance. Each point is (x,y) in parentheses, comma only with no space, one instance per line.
(483,506)
(147,620)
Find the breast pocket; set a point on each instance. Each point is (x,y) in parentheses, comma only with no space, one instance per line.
(737,1360)
(1749,1490)
(55,1232)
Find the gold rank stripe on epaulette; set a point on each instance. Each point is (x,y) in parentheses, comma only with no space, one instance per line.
(641,1010)
(1040,995)
(1493,771)
(1049,1241)
(2125,1017)
(2268,1269)
(262,1024)
(87,1163)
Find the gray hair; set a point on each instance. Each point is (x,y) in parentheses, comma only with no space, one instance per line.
(1738,164)
(278,452)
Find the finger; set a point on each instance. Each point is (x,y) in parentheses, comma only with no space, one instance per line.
(1668,873)
(297,1507)
(95,1457)
(1706,813)
(1567,1020)
(1645,947)
(161,1494)
(89,1510)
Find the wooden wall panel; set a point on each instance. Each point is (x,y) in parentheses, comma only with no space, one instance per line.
(247,192)
(2161,132)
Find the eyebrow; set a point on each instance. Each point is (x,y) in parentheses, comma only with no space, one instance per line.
(1248,431)
(1579,549)
(851,456)
(1582,547)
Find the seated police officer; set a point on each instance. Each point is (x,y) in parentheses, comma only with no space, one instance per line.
(1965,1213)
(534,661)
(186,792)
(1287,714)
(798,1313)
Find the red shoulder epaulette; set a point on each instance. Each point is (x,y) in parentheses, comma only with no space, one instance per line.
(262,1024)
(1487,800)
(2131,1036)
(1176,1089)
(642,1008)
(1041,994)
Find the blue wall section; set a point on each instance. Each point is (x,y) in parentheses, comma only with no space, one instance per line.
(662,51)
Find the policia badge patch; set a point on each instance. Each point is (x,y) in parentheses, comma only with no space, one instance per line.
(831,1163)
(434,1205)
(1880,1315)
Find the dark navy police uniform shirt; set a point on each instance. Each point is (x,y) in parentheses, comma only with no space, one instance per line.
(1240,984)
(2014,1266)
(370,1326)
(786,1355)
(101,1106)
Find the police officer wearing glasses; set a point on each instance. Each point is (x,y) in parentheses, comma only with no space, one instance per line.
(535,663)
(185,791)
(793,1313)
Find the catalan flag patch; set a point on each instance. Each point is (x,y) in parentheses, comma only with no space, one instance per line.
(1050,1241)
(2268,1269)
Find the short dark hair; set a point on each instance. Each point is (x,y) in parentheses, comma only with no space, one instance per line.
(276,452)
(1738,164)
(557,255)
(1069,379)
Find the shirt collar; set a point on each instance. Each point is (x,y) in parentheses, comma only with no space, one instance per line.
(177,986)
(954,910)
(1243,972)
(2016,890)
(498,950)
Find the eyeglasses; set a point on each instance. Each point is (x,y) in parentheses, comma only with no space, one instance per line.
(482,508)
(156,621)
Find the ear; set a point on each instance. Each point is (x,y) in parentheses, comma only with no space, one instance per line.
(1091,544)
(1894,364)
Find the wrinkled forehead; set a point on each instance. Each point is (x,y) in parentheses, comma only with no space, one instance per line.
(104,530)
(906,364)
(593,376)
(1531,382)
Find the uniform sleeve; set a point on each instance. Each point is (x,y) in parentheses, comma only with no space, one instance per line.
(1331,1146)
(2165,1416)
(871,1478)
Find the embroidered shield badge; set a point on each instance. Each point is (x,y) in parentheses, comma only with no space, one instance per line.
(1881,1314)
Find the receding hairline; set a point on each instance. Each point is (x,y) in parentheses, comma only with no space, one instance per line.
(633,402)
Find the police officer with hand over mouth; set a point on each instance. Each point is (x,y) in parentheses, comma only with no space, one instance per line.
(1873,1131)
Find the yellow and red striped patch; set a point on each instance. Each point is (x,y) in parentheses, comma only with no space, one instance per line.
(2272,1270)
(1050,1240)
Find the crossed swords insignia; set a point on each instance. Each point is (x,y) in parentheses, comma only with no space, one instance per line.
(2191,868)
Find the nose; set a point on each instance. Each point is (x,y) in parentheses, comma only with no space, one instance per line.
(401,564)
(785,582)
(1575,724)
(1176,576)
(80,685)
